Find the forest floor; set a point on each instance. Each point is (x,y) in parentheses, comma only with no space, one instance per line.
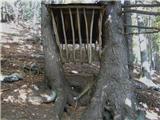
(18,51)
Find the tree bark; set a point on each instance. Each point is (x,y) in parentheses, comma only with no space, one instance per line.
(113,99)
(128,21)
(53,68)
(143,41)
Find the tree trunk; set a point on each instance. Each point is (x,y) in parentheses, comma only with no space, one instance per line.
(113,99)
(143,41)
(128,21)
(53,68)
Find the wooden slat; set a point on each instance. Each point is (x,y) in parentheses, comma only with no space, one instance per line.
(64,6)
(100,33)
(64,33)
(87,34)
(56,35)
(79,34)
(73,34)
(91,31)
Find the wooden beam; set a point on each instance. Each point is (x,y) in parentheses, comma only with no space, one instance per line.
(56,34)
(64,33)
(141,5)
(142,27)
(142,12)
(87,32)
(73,34)
(91,32)
(79,34)
(64,6)
(136,33)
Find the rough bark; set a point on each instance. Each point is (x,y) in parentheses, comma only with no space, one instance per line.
(113,99)
(53,68)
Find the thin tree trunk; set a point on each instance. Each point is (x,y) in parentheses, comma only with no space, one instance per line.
(53,68)
(143,41)
(128,21)
(113,97)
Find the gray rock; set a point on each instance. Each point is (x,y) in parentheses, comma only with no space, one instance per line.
(35,100)
(49,98)
(13,77)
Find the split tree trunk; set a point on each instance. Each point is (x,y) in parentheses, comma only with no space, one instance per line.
(113,99)
(53,68)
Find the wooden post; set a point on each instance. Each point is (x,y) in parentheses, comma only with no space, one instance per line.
(91,31)
(79,33)
(73,34)
(64,33)
(87,34)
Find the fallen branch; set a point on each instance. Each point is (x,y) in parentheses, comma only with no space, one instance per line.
(3,90)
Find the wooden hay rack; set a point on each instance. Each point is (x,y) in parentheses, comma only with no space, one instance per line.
(78,31)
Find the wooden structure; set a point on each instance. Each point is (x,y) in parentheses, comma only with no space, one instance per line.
(78,30)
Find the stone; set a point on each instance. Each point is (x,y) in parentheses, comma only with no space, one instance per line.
(13,77)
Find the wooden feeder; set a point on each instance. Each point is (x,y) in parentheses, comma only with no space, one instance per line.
(77,26)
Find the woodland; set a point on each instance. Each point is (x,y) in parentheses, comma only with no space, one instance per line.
(80,59)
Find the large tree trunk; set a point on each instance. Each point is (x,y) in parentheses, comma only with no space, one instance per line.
(53,68)
(113,99)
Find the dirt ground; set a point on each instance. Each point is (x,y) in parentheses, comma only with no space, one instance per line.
(17,51)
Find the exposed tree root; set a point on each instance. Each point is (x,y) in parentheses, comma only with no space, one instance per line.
(60,104)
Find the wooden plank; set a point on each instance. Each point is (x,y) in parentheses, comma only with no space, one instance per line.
(91,32)
(56,35)
(73,34)
(100,32)
(79,34)
(64,33)
(64,6)
(87,32)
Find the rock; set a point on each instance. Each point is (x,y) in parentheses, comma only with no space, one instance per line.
(2,78)
(12,78)
(35,100)
(49,98)
(32,68)
(35,69)
(26,68)
(43,98)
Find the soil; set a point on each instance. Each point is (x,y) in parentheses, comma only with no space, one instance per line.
(18,51)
